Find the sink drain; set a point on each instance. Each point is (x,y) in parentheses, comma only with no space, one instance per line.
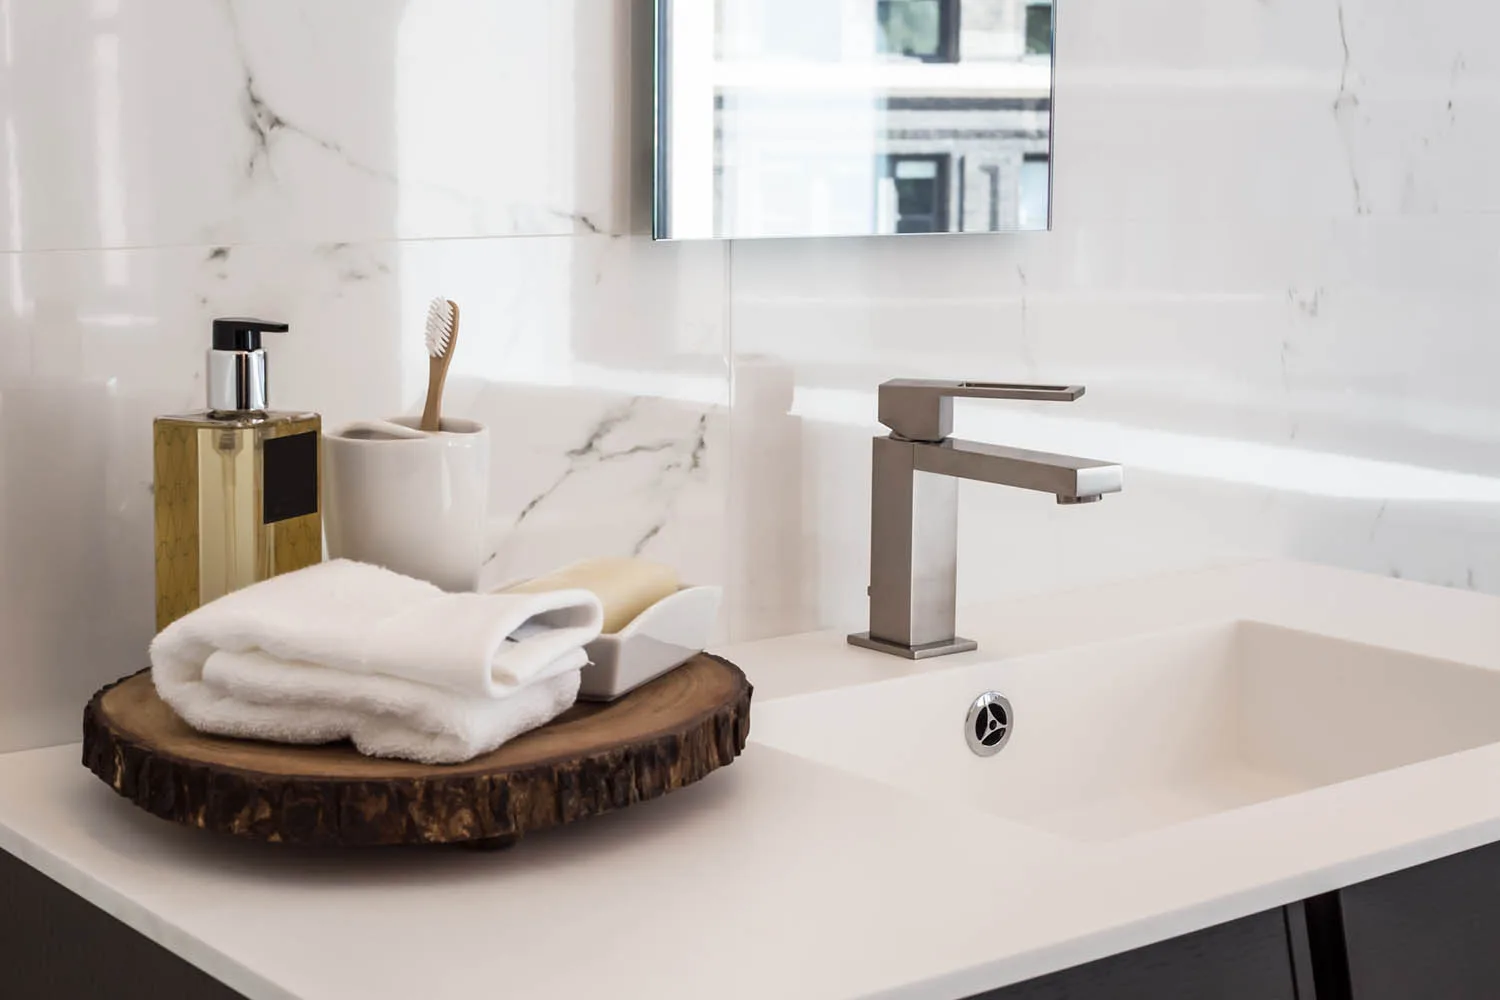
(988,726)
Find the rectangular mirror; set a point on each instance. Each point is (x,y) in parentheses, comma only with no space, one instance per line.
(852,117)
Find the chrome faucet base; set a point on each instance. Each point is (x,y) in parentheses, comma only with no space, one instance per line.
(958,644)
(914,476)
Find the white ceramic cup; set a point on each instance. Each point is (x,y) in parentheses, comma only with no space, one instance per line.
(415,505)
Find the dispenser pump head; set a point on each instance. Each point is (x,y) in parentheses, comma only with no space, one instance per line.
(243,334)
(237,365)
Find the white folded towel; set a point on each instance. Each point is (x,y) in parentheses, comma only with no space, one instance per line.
(344,649)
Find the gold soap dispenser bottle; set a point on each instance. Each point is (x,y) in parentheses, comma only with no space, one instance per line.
(237,485)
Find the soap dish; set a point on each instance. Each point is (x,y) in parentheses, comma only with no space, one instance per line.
(665,635)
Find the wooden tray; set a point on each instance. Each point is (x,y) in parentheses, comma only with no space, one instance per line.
(592,759)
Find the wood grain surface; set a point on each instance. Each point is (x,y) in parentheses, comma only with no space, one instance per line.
(592,759)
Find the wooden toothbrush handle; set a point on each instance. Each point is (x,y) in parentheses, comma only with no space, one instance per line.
(437,376)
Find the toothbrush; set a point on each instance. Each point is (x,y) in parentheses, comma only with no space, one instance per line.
(442,331)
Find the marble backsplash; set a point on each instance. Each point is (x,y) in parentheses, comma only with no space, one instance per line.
(1275,229)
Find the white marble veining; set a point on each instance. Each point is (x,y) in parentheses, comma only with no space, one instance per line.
(587,461)
(1272,266)
(162,122)
(1363,434)
(1275,231)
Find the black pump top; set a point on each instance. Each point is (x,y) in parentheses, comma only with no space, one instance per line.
(233,334)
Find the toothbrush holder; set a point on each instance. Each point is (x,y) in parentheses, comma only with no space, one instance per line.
(410,501)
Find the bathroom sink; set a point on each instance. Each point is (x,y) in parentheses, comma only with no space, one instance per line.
(1109,740)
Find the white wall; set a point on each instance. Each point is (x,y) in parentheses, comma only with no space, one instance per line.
(1272,265)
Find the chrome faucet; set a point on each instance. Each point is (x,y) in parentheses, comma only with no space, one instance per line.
(914,505)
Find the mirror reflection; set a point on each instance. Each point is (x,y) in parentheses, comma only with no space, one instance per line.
(852,117)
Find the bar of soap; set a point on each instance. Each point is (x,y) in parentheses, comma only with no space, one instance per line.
(625,586)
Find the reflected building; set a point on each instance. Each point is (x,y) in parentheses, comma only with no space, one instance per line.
(863,116)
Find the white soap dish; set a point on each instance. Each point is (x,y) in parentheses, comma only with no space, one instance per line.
(665,635)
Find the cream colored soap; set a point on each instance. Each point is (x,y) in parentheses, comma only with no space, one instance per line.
(625,586)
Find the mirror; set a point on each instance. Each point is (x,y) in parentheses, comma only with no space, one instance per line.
(852,117)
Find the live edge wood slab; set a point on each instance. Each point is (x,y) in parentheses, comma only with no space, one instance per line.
(593,759)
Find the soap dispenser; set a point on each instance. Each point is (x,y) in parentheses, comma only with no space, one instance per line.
(237,484)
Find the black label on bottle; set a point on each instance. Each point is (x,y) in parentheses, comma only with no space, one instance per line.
(290,477)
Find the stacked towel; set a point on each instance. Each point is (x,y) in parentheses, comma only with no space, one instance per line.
(347,650)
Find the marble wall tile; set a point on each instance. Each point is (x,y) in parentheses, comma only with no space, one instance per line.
(1297,387)
(129,123)
(610,419)
(1275,230)
(1250,109)
(1271,263)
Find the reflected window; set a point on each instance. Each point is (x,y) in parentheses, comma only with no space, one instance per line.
(917,188)
(1036,169)
(780,118)
(918,29)
(1039,29)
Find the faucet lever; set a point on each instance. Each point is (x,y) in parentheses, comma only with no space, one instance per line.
(921,409)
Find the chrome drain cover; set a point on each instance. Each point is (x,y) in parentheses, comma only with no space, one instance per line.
(989,725)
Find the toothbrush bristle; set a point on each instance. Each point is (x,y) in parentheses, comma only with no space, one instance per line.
(439,327)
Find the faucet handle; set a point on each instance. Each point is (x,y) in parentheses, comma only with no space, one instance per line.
(921,409)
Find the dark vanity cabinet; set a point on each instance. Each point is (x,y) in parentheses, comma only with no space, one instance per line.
(1430,932)
(1426,933)
(1247,959)
(55,945)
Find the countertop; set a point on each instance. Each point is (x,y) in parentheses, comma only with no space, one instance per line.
(778,876)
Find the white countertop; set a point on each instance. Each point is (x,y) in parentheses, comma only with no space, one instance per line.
(778,876)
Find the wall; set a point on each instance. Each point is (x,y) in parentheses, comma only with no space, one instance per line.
(1275,229)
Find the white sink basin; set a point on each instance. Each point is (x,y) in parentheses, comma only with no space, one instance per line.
(1113,739)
